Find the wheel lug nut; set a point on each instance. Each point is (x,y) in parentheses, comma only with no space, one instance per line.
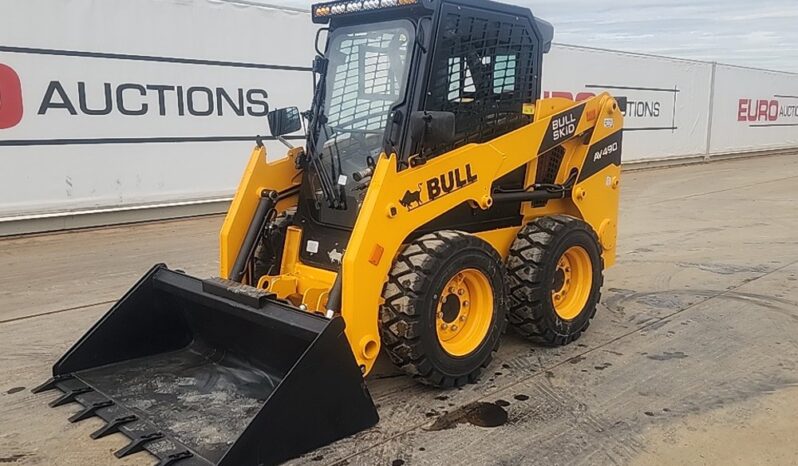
(465,303)
(444,326)
(454,328)
(462,318)
(440,315)
(451,289)
(461,292)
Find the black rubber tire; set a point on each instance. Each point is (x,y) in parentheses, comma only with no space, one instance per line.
(407,317)
(531,266)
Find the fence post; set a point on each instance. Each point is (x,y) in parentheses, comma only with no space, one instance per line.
(711,110)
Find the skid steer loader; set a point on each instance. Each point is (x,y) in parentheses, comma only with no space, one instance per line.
(436,200)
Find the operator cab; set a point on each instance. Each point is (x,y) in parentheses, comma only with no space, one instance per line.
(415,78)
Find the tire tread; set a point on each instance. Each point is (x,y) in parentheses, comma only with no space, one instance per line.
(401,321)
(528,255)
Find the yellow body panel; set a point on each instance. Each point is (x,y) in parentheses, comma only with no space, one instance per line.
(281,176)
(299,283)
(390,212)
(500,239)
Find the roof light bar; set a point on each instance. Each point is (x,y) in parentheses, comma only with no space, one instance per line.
(323,11)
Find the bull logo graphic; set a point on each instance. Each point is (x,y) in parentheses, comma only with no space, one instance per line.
(439,186)
(410,198)
(335,256)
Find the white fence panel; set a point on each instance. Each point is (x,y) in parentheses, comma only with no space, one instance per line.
(108,104)
(140,102)
(668,99)
(754,110)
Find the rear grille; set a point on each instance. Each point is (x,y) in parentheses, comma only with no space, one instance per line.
(549,165)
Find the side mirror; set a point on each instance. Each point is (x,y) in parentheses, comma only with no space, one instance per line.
(432,128)
(284,121)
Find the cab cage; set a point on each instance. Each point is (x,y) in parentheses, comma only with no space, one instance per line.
(479,59)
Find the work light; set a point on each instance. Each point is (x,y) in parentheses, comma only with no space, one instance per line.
(323,11)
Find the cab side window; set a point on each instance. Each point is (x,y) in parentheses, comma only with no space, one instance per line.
(483,72)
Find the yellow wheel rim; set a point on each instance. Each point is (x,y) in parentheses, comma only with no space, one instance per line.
(464,312)
(573,280)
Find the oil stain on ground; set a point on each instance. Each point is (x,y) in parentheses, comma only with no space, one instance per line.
(478,413)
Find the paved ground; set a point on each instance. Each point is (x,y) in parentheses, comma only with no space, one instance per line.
(692,359)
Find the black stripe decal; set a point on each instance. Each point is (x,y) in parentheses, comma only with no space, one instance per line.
(631,88)
(149,58)
(653,128)
(602,154)
(151,140)
(561,128)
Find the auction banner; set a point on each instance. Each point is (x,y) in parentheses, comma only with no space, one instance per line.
(667,111)
(116,102)
(753,110)
(111,104)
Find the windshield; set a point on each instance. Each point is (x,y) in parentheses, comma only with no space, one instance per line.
(366,76)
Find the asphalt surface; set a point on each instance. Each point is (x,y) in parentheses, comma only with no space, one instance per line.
(691,359)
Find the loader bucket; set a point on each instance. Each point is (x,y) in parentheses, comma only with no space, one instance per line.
(214,373)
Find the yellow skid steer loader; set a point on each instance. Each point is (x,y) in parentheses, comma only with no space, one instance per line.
(436,200)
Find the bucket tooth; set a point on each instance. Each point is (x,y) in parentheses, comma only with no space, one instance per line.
(113,426)
(52,383)
(69,396)
(138,443)
(90,410)
(174,458)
